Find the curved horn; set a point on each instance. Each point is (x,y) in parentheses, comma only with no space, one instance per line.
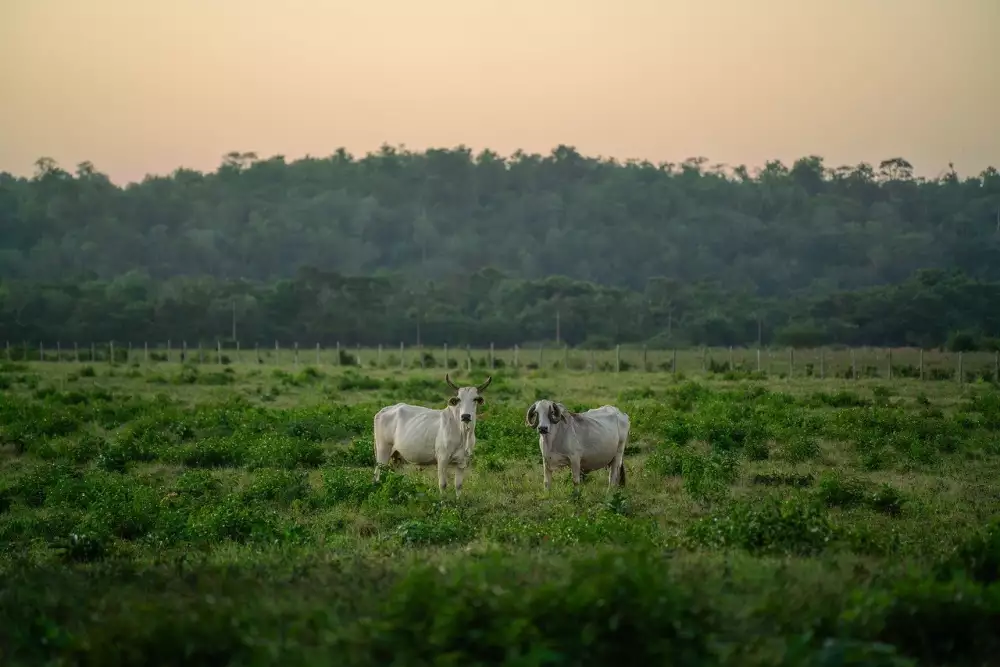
(531,415)
(450,383)
(481,388)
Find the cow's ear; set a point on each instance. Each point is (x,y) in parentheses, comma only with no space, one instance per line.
(558,412)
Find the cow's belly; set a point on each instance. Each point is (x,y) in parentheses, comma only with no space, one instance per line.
(421,454)
(591,461)
(425,455)
(597,460)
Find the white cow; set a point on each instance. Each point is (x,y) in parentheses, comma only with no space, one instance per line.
(583,440)
(424,436)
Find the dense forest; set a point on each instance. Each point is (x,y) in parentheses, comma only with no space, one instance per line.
(454,247)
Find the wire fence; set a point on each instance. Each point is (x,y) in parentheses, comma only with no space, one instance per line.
(826,362)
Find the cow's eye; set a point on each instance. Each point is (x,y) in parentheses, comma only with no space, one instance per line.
(478,400)
(453,400)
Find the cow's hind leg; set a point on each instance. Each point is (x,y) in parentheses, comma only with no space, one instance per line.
(616,470)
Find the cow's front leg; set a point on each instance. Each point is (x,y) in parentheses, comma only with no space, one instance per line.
(459,476)
(574,463)
(442,474)
(547,475)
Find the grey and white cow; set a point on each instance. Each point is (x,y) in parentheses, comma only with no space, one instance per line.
(583,440)
(425,436)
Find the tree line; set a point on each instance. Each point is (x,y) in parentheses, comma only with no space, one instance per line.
(447,246)
(933,308)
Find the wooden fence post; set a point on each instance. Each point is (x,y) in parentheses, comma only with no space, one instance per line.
(402,358)
(854,366)
(317,352)
(758,360)
(41,351)
(338,353)
(111,352)
(541,354)
(920,364)
(76,352)
(145,352)
(378,356)
(492,358)
(515,356)
(618,358)
(673,362)
(731,366)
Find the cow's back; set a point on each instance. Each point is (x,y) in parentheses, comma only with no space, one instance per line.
(611,419)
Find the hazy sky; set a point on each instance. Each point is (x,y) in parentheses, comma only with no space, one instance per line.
(139,86)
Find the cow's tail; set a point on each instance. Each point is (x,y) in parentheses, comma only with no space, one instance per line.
(621,474)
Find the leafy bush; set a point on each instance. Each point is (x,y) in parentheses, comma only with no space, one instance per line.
(791,525)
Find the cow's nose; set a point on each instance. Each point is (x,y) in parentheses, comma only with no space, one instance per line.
(543,430)
(467,418)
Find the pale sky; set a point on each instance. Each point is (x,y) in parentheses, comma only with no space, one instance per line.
(146,86)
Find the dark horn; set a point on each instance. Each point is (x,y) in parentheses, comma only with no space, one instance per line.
(450,383)
(481,388)
(529,416)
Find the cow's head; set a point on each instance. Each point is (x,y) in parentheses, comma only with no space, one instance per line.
(543,414)
(467,399)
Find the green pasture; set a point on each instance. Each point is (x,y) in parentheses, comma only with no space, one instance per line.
(156,513)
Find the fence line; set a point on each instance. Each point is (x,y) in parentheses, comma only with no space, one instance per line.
(868,362)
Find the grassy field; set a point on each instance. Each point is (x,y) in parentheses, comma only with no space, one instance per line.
(226,514)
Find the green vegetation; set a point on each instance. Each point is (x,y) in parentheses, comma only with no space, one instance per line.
(478,249)
(150,515)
